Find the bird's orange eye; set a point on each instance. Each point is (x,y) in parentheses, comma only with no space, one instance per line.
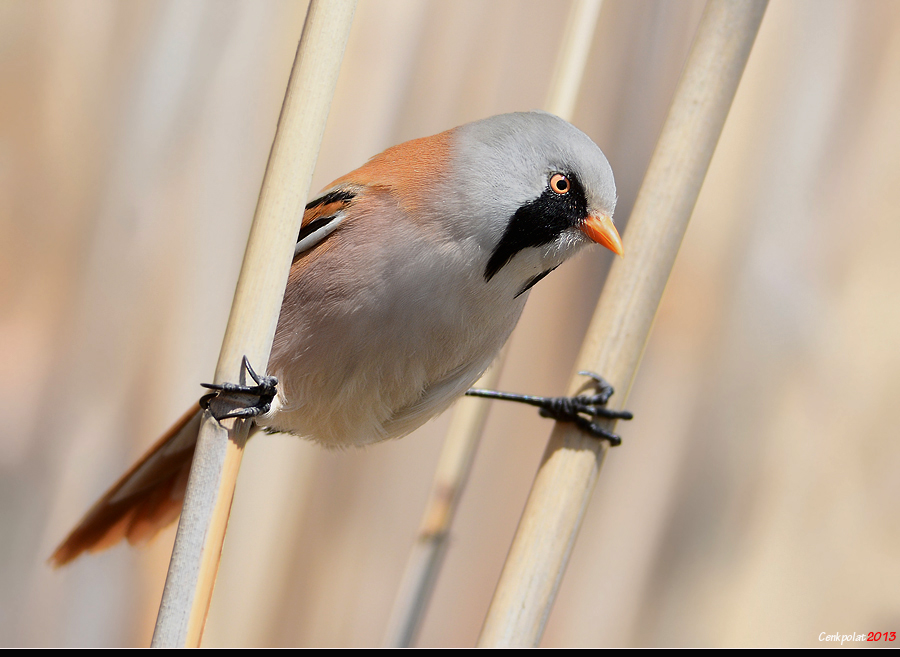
(559,183)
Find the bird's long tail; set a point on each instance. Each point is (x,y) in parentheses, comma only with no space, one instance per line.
(145,500)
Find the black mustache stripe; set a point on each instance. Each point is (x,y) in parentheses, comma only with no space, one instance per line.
(539,222)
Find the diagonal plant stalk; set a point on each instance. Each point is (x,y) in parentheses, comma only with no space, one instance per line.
(253,319)
(623,318)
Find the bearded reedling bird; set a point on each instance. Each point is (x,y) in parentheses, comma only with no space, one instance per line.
(408,276)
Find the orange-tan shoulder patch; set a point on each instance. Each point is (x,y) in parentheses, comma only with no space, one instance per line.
(407,169)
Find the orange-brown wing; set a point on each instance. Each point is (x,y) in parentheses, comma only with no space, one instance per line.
(406,170)
(409,169)
(145,500)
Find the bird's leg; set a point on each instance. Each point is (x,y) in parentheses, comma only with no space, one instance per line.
(239,400)
(571,409)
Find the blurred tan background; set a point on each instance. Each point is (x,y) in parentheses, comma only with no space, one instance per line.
(754,500)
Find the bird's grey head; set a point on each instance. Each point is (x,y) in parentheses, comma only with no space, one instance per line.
(529,181)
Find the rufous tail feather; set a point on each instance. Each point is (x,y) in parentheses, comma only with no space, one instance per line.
(145,500)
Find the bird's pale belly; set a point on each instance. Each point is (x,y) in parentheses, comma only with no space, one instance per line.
(358,375)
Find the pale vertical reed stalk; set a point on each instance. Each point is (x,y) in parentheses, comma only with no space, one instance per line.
(621,324)
(254,316)
(470,414)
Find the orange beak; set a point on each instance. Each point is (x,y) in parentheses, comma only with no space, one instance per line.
(599,228)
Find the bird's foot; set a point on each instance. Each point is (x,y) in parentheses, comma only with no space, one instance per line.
(582,410)
(239,400)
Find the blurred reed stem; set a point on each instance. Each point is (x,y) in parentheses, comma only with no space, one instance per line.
(622,320)
(254,316)
(470,414)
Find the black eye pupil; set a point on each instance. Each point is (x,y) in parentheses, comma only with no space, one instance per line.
(561,185)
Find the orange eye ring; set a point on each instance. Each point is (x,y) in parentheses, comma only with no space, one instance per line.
(560,184)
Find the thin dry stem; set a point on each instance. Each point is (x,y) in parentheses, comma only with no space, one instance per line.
(623,318)
(254,315)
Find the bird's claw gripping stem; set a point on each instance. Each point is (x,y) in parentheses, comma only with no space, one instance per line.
(571,409)
(243,400)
